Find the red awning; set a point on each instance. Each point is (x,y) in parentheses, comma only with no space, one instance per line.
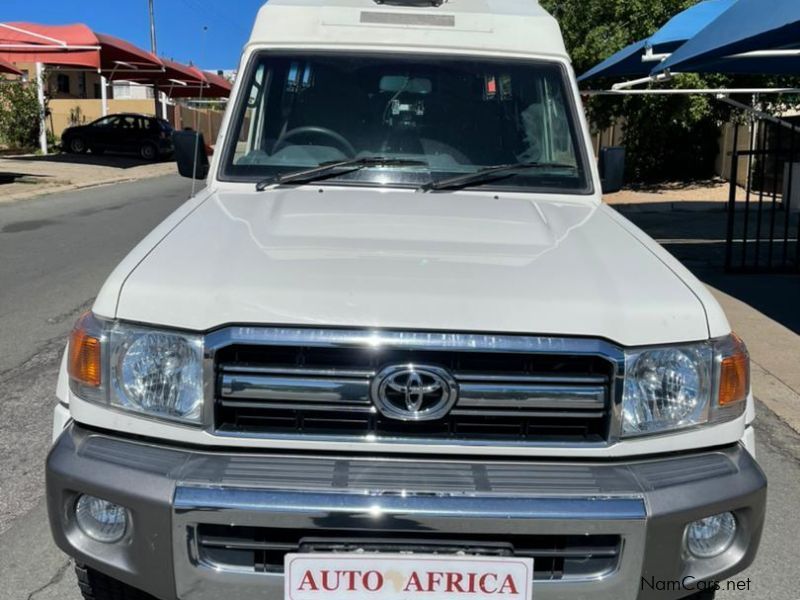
(219,87)
(74,46)
(78,46)
(184,81)
(180,74)
(7,67)
(214,86)
(174,73)
(119,58)
(64,45)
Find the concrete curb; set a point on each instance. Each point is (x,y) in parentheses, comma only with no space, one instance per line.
(71,187)
(668,206)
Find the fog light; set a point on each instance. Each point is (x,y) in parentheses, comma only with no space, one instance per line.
(100,519)
(711,536)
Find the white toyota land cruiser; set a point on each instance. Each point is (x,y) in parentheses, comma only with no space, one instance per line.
(398,347)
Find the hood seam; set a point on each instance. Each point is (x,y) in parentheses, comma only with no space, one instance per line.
(153,248)
(623,223)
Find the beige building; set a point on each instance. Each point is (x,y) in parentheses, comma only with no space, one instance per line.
(74,98)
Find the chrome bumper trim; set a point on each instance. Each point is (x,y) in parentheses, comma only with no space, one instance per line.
(253,500)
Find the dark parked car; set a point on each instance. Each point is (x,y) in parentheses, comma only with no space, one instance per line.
(149,137)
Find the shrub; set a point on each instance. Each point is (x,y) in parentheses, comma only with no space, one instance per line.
(76,116)
(19,115)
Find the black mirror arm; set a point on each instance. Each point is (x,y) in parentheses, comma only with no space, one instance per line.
(190,154)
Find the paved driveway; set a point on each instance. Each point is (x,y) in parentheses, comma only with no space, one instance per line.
(30,176)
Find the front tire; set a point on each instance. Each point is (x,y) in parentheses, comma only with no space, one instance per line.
(77,145)
(96,586)
(148,152)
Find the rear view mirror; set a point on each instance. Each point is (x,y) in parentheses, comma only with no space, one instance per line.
(612,169)
(401,83)
(190,154)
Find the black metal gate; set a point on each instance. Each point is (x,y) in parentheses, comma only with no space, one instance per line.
(764,202)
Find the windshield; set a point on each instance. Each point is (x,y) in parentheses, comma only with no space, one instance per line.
(441,117)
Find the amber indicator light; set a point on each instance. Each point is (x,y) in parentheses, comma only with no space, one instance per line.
(84,358)
(734,380)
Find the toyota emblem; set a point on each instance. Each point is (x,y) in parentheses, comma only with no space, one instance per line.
(414,392)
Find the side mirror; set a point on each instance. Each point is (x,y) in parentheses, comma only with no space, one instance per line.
(612,169)
(190,154)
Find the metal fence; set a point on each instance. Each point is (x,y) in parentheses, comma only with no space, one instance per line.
(764,217)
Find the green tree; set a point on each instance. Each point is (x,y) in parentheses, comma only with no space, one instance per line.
(19,115)
(666,137)
(595,29)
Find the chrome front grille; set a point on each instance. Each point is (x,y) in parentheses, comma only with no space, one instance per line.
(510,389)
(262,550)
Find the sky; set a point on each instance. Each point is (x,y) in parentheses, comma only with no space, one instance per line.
(179,24)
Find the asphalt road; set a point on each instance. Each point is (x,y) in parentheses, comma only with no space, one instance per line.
(55,253)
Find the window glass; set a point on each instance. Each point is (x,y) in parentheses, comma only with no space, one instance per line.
(456,115)
(105,122)
(62,83)
(128,122)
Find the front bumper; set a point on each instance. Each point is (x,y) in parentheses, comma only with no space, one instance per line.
(175,496)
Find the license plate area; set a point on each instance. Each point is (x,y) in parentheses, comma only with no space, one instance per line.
(353,576)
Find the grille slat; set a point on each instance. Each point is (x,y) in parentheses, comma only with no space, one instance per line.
(513,397)
(304,372)
(300,388)
(458,412)
(297,405)
(532,395)
(556,557)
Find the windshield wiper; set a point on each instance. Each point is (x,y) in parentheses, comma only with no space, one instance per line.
(332,169)
(488,174)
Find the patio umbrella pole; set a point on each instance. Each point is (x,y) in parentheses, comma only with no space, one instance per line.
(104,94)
(42,108)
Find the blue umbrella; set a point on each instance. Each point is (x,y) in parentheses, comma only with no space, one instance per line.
(765,65)
(748,25)
(679,29)
(626,62)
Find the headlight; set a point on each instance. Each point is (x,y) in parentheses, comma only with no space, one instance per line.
(666,388)
(157,373)
(673,388)
(147,371)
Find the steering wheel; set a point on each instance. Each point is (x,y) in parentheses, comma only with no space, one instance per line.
(341,141)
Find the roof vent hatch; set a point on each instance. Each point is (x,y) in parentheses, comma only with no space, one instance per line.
(411,3)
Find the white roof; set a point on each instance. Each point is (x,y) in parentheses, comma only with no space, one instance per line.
(513,26)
